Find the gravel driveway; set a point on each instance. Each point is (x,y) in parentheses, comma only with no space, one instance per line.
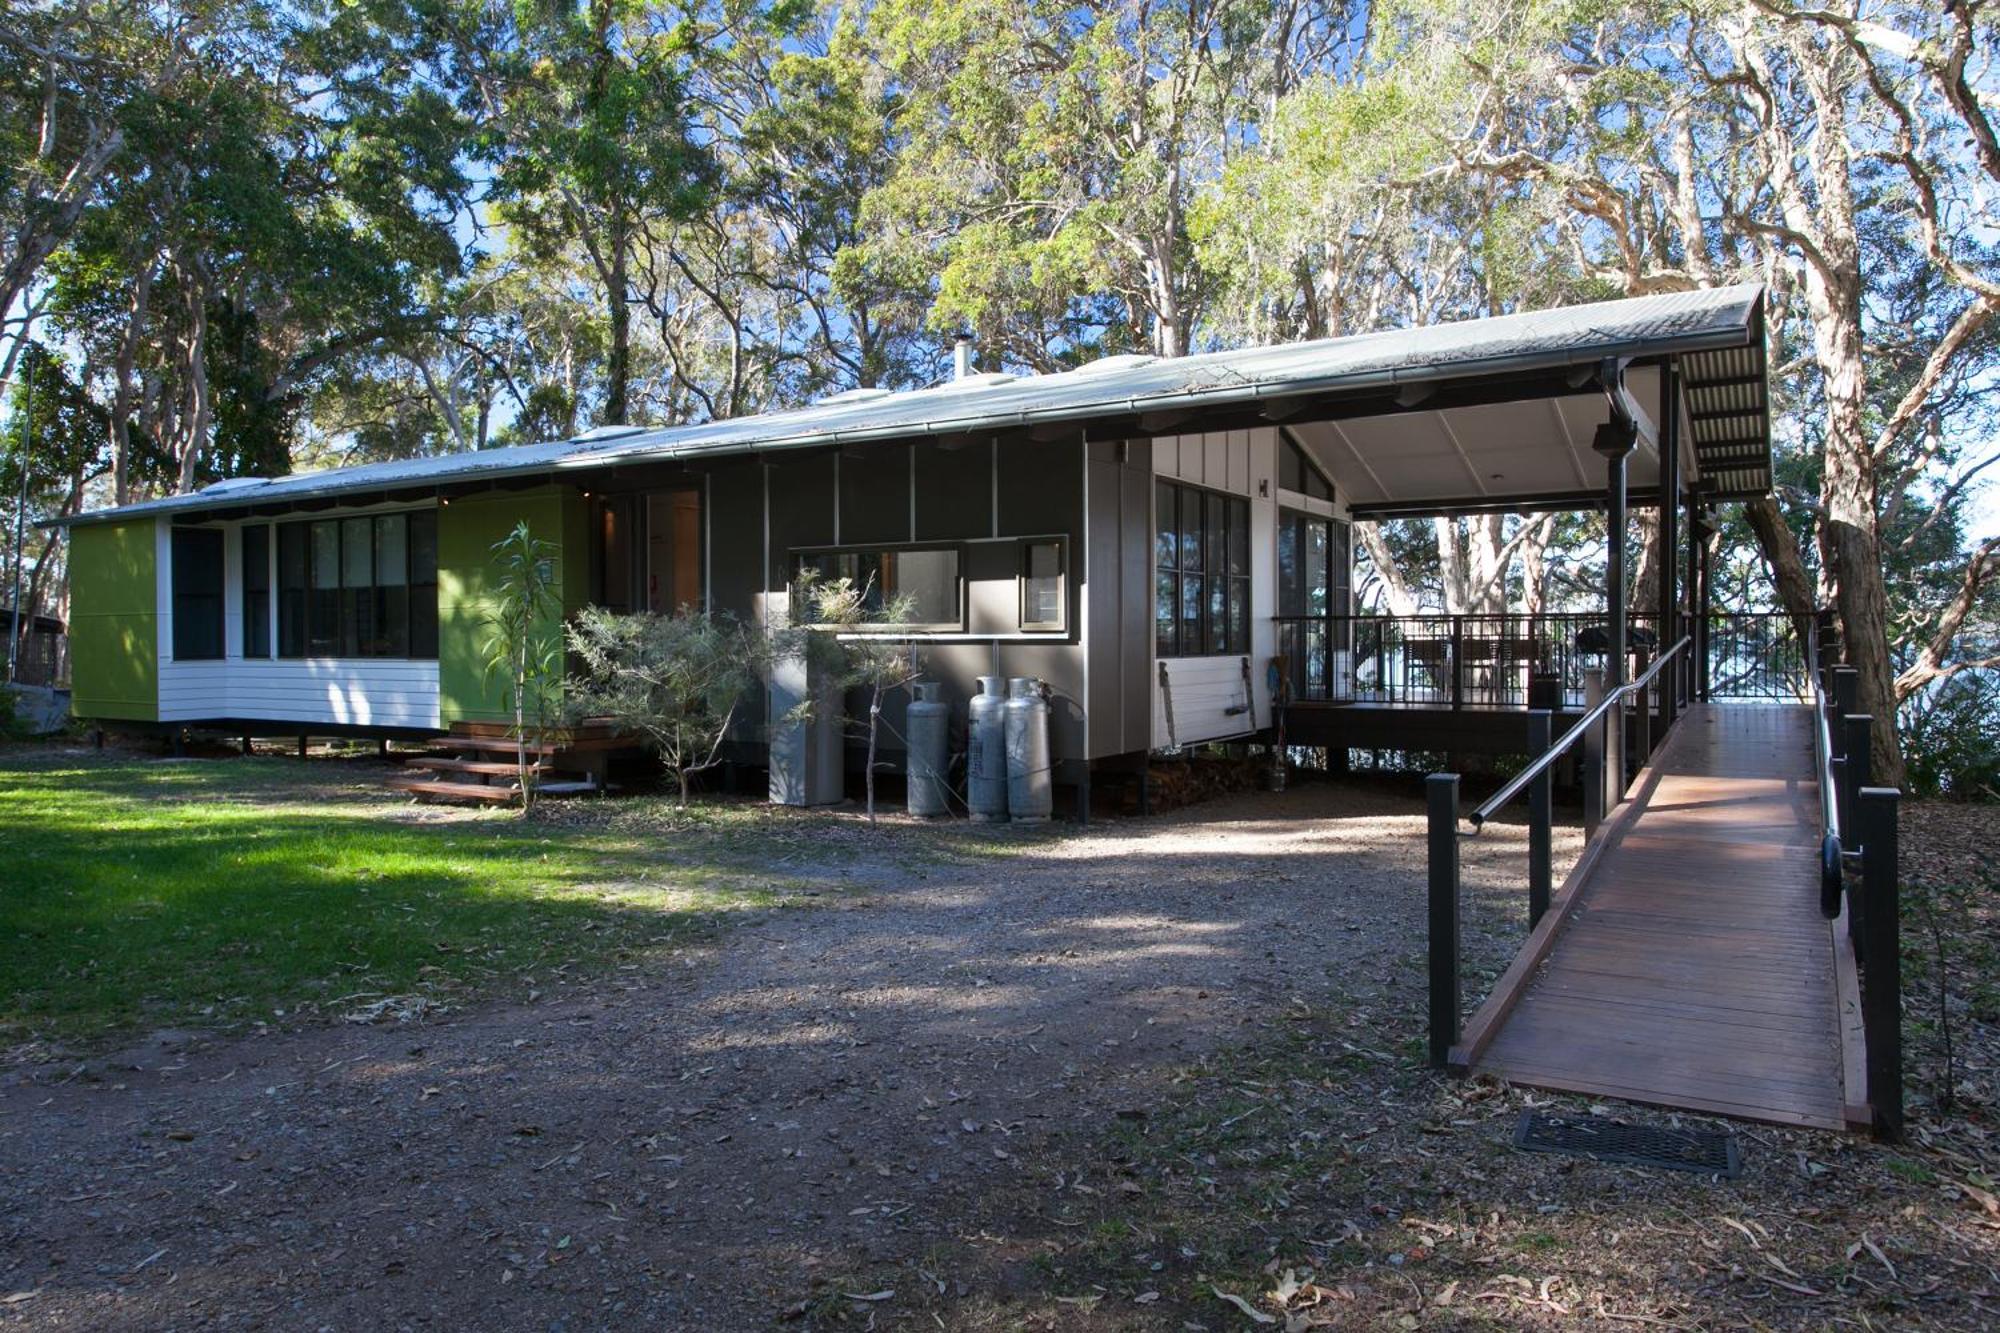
(690,1142)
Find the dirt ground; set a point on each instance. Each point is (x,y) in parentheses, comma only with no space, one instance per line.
(1135,1077)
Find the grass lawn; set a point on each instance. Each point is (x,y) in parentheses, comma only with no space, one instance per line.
(141,893)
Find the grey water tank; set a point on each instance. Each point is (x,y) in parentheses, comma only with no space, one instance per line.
(1030,793)
(986,753)
(930,752)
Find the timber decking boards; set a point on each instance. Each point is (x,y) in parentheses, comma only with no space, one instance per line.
(1696,970)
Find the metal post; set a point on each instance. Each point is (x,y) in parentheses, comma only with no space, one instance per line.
(1670,512)
(1690,671)
(1458,661)
(1594,784)
(1704,591)
(1644,717)
(14,631)
(1614,441)
(1882,974)
(1846,690)
(1441,792)
(1540,805)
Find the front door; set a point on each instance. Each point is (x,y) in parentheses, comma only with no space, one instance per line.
(650,552)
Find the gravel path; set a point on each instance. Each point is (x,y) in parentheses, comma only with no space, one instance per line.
(690,1142)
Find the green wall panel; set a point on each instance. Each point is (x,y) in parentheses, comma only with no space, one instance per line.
(468,579)
(114,621)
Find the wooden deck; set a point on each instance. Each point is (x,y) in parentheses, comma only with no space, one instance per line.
(1693,968)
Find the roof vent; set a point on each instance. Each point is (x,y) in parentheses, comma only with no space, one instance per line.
(1123,361)
(607,433)
(863,395)
(229,484)
(961,356)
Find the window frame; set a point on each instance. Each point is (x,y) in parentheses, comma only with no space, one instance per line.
(258,604)
(1022,619)
(798,554)
(1220,610)
(343,641)
(1309,470)
(177,593)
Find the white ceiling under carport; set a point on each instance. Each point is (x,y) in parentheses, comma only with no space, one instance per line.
(1487,454)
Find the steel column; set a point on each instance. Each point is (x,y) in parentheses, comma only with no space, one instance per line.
(1441,793)
(1882,972)
(1670,494)
(1539,815)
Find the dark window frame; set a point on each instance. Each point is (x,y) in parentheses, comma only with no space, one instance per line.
(1199,611)
(1023,619)
(256,590)
(318,622)
(798,555)
(188,600)
(1314,483)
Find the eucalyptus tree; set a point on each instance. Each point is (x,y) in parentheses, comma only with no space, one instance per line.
(1051,153)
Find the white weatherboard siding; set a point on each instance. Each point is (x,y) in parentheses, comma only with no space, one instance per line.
(356,692)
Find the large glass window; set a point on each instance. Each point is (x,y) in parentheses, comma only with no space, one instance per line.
(1312,565)
(256,590)
(358,587)
(1201,572)
(1299,474)
(197,587)
(927,576)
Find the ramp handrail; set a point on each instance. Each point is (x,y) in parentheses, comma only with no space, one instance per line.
(1441,791)
(1494,803)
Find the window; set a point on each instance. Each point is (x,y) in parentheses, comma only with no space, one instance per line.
(197,579)
(257,590)
(1042,584)
(358,587)
(292,590)
(928,576)
(1201,572)
(1299,474)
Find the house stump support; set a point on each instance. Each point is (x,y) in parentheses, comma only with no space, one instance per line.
(1441,794)
(1882,969)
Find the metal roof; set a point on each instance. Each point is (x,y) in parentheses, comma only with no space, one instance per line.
(1717,331)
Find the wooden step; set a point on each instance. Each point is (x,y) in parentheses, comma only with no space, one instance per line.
(483,767)
(457,791)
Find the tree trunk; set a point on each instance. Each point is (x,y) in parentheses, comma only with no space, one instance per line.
(618,362)
(874,720)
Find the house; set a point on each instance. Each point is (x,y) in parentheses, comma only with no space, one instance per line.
(1139,533)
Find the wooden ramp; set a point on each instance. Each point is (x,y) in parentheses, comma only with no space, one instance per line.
(1693,968)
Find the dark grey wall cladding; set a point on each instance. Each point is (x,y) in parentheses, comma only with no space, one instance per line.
(954,490)
(801,499)
(1040,493)
(1120,543)
(1040,487)
(735,520)
(875,493)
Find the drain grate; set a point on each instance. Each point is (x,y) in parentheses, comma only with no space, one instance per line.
(1711,1152)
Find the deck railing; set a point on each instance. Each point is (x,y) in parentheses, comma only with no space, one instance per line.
(1601,731)
(1859,833)
(1449,661)
(1757,655)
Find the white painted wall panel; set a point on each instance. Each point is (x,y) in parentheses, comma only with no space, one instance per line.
(358,692)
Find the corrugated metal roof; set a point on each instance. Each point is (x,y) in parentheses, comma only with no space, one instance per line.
(1679,322)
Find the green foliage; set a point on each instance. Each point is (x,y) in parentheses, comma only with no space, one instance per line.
(1951,735)
(678,680)
(524,643)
